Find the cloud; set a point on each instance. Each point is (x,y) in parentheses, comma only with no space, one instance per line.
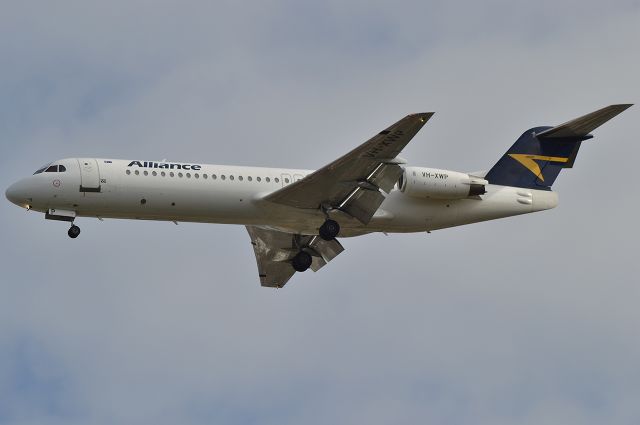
(523,320)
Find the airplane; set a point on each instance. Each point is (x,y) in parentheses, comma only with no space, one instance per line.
(294,217)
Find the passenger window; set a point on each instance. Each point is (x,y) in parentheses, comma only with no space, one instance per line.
(222,177)
(52,169)
(286,181)
(171,174)
(196,175)
(128,172)
(146,173)
(249,178)
(163,174)
(204,176)
(268,179)
(258,178)
(277,180)
(213,176)
(154,173)
(180,175)
(188,175)
(240,178)
(230,177)
(137,172)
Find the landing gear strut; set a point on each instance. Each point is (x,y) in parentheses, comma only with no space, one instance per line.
(302,261)
(329,230)
(74,231)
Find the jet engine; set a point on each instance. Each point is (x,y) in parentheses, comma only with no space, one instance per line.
(432,183)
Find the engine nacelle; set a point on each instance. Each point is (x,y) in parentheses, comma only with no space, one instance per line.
(421,182)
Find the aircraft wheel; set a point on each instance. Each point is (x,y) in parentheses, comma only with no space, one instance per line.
(329,230)
(302,261)
(74,232)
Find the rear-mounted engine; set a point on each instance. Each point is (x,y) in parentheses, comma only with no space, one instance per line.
(440,184)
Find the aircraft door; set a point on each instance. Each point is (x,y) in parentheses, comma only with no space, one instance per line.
(286,179)
(89,175)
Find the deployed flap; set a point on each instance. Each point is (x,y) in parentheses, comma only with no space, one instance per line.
(372,164)
(386,176)
(581,127)
(323,251)
(274,251)
(363,204)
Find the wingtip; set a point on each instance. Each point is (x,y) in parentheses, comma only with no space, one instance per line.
(423,116)
(619,108)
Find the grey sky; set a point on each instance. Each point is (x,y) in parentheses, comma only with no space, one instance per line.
(529,320)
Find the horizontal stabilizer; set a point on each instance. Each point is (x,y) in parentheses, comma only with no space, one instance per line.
(581,127)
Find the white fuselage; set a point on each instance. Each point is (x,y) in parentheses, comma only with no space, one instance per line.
(234,195)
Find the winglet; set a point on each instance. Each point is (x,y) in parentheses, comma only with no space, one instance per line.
(581,127)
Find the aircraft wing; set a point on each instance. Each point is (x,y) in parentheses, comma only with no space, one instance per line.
(275,249)
(352,182)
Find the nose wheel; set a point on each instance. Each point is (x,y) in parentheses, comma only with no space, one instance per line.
(329,230)
(74,231)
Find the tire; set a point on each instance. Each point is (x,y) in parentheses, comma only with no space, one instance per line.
(74,232)
(329,230)
(302,261)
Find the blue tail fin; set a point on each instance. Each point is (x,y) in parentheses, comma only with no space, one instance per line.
(534,162)
(537,157)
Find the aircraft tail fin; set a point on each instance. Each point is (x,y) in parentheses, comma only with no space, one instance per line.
(537,157)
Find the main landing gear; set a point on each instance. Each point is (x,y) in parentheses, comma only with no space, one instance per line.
(328,231)
(302,261)
(74,231)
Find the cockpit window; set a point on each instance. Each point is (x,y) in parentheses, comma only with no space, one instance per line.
(41,169)
(51,169)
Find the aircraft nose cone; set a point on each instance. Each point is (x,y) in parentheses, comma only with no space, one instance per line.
(16,195)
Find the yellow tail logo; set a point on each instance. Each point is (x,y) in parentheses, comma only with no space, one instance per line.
(529,161)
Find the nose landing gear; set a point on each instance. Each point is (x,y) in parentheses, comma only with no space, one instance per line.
(74,231)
